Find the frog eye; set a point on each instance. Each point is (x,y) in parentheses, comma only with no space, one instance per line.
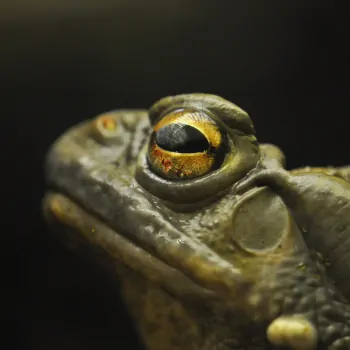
(185,144)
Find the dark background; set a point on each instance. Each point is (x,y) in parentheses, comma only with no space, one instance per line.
(285,62)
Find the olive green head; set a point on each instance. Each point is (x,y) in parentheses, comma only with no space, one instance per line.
(155,191)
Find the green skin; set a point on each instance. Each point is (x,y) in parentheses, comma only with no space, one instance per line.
(217,261)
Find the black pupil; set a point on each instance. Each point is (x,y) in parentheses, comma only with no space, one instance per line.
(181,138)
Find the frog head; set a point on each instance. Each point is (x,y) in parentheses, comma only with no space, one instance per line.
(154,191)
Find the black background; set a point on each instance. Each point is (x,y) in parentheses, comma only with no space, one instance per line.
(285,62)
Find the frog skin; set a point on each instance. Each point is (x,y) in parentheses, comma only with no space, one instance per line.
(215,244)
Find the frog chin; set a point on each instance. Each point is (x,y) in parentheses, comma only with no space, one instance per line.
(78,229)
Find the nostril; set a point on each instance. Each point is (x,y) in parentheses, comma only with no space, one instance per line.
(105,129)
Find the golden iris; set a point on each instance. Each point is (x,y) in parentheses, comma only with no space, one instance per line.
(185,144)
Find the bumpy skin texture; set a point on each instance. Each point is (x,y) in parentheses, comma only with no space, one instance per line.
(246,256)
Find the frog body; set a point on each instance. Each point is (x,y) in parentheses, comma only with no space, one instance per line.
(216,244)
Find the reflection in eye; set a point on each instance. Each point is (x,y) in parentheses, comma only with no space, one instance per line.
(185,143)
(181,138)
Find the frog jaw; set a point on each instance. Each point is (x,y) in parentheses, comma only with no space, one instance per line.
(77,227)
(294,331)
(290,330)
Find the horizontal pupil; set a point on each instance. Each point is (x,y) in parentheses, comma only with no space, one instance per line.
(181,138)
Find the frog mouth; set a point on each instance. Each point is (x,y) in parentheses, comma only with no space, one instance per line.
(111,212)
(80,229)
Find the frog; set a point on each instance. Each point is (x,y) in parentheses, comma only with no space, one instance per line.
(215,244)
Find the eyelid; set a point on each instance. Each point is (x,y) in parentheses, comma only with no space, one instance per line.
(186,116)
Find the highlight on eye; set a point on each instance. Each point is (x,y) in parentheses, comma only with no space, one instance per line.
(185,143)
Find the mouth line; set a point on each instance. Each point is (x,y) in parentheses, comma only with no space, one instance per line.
(114,197)
(100,236)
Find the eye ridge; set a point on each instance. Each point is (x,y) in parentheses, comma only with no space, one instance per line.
(181,138)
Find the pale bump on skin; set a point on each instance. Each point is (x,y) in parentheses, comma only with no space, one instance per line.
(294,331)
